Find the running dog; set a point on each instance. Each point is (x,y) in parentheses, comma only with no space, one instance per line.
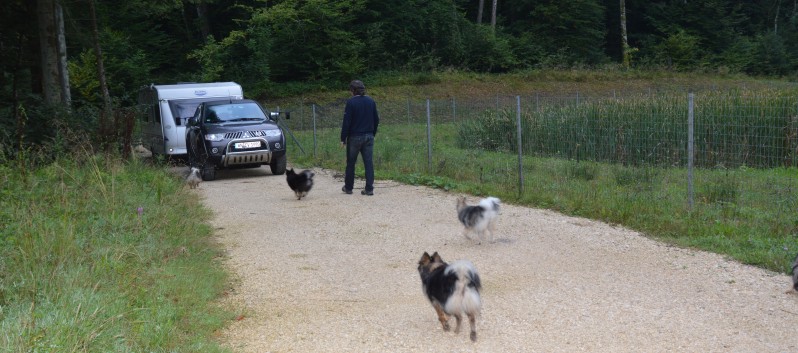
(301,183)
(452,289)
(193,179)
(479,218)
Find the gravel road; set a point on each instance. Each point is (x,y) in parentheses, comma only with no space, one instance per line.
(337,273)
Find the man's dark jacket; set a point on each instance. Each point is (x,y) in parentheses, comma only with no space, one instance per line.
(360,117)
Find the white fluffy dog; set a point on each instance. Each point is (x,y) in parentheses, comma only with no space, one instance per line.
(480,218)
(193,179)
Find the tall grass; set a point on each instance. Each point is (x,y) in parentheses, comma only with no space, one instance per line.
(99,255)
(731,129)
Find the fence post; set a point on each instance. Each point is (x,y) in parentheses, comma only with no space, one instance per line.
(429,140)
(454,110)
(408,111)
(690,124)
(314,130)
(520,153)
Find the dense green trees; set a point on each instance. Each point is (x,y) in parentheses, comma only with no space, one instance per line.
(258,42)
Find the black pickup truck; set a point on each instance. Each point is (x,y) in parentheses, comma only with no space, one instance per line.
(234,133)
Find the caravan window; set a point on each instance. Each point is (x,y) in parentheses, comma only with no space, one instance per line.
(184,109)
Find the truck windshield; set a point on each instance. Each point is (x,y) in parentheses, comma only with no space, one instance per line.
(234,112)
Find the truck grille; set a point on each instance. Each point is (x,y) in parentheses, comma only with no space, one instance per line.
(244,134)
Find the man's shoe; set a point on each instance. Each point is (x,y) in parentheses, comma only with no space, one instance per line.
(364,192)
(348,192)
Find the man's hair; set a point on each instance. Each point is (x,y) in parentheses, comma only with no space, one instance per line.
(357,87)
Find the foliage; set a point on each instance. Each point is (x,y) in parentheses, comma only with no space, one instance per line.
(242,57)
(770,56)
(486,51)
(123,71)
(574,27)
(311,40)
(679,50)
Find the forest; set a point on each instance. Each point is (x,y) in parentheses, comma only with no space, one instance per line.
(65,60)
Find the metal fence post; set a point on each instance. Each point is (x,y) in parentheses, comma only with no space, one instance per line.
(690,124)
(429,140)
(408,111)
(454,110)
(520,150)
(315,143)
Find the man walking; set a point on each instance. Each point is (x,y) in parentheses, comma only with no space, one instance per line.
(357,135)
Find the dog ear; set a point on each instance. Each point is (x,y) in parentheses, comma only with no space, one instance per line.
(436,257)
(425,259)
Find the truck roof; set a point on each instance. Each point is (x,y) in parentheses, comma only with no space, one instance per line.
(199,90)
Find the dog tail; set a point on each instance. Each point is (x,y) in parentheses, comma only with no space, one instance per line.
(466,292)
(490,203)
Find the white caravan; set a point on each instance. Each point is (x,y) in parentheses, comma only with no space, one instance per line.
(166,109)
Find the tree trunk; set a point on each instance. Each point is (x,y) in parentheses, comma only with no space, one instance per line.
(19,117)
(104,129)
(493,16)
(624,39)
(63,70)
(479,11)
(202,14)
(48,49)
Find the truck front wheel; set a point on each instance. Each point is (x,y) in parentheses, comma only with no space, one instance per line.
(278,165)
(209,172)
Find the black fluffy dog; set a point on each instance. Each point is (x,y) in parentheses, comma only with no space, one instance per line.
(453,289)
(301,183)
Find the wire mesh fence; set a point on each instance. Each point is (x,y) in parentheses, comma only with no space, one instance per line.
(591,148)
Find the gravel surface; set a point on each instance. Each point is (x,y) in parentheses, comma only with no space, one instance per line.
(337,273)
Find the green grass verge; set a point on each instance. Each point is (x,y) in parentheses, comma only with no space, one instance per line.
(101,256)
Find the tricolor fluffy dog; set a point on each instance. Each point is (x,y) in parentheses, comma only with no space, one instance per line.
(479,218)
(301,183)
(453,289)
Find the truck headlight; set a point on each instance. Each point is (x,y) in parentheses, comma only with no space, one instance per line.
(214,137)
(273,133)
